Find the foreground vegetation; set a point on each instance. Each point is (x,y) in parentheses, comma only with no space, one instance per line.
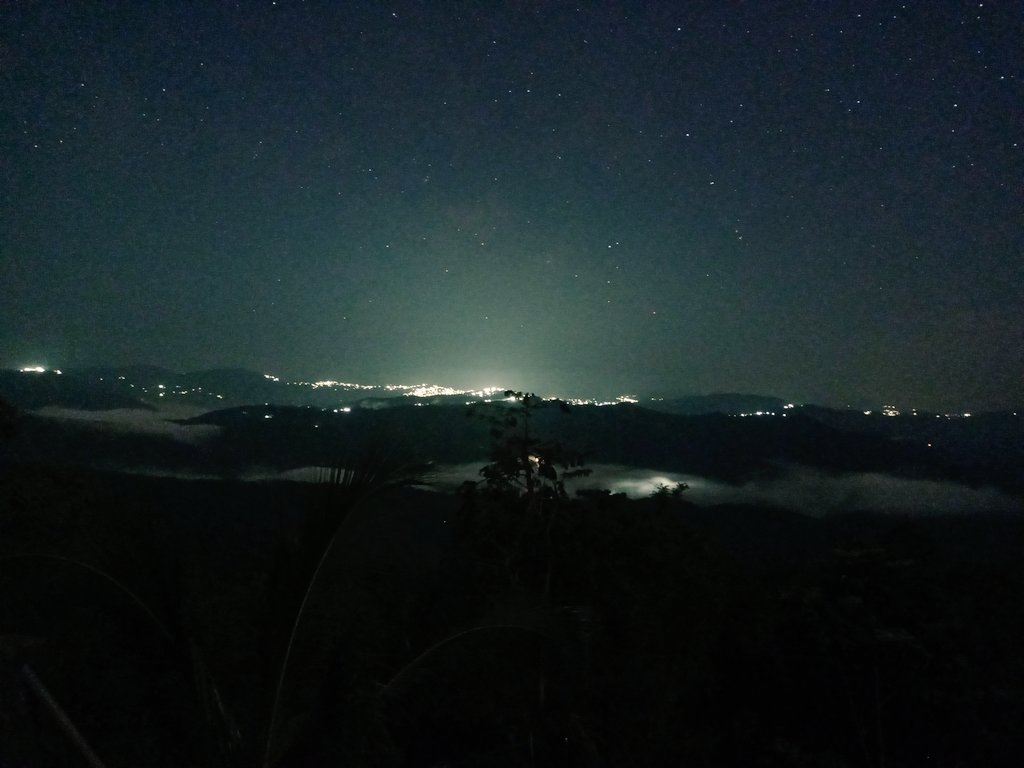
(154,621)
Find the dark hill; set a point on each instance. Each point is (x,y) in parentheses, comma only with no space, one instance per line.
(720,402)
(29,391)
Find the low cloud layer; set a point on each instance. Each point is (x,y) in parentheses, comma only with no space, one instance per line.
(137,422)
(800,488)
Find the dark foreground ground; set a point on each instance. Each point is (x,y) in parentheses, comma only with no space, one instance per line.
(159,615)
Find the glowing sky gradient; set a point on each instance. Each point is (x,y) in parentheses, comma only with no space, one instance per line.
(817,200)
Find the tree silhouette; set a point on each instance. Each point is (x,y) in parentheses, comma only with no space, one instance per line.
(8,420)
(523,464)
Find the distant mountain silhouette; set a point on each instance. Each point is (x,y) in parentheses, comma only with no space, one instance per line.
(719,402)
(283,425)
(30,391)
(139,386)
(140,375)
(97,388)
(727,448)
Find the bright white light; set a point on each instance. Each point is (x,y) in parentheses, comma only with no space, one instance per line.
(33,369)
(432,391)
(333,383)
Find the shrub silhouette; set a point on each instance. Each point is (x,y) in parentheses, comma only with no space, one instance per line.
(538,629)
(314,609)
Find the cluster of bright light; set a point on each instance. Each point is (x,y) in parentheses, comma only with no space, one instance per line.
(332,383)
(164,390)
(198,390)
(434,390)
(33,369)
(620,400)
(760,413)
(892,410)
(409,390)
(323,383)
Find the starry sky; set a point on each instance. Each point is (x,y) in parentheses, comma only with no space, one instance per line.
(818,200)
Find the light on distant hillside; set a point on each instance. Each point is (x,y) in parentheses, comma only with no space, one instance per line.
(33,369)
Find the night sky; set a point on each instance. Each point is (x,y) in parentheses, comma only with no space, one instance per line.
(818,200)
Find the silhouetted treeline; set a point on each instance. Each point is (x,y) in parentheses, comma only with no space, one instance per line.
(491,629)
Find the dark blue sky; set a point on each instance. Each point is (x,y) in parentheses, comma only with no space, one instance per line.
(820,200)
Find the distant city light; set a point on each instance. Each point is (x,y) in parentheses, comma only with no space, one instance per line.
(432,391)
(331,383)
(468,396)
(620,400)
